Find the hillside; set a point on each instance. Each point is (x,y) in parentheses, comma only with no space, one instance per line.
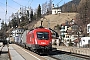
(56,19)
(71,6)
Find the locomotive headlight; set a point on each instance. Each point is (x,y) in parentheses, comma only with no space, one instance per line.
(43,43)
(50,43)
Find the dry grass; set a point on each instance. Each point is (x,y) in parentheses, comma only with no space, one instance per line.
(56,19)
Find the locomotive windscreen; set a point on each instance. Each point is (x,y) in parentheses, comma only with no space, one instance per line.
(43,35)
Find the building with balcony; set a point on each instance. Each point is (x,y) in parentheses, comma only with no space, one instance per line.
(17,33)
(63,31)
(70,32)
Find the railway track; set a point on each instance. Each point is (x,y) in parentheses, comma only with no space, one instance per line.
(78,55)
(1,49)
(4,53)
(62,55)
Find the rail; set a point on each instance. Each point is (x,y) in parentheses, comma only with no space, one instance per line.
(1,49)
(9,54)
(4,49)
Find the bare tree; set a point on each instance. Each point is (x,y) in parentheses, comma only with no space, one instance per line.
(44,8)
(50,6)
(83,10)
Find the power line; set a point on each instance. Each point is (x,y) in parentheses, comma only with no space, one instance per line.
(9,6)
(2,8)
(59,2)
(18,3)
(5,12)
(6,8)
(29,1)
(53,0)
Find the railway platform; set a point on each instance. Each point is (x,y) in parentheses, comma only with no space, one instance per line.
(14,54)
(4,53)
(19,53)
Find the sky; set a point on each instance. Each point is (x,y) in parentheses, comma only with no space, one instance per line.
(14,5)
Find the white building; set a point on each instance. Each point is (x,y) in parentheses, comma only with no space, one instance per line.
(56,10)
(63,31)
(17,33)
(88,28)
(84,41)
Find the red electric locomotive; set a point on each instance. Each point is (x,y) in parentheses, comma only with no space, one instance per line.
(38,40)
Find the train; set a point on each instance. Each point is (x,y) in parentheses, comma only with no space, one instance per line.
(38,40)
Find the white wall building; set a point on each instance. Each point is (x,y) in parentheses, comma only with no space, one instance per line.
(84,41)
(56,10)
(63,31)
(88,28)
(17,33)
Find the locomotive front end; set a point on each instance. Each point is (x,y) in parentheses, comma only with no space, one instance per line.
(44,41)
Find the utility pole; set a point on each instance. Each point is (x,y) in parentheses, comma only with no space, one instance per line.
(41,23)
(50,6)
(6,12)
(29,9)
(5,23)
(76,6)
(48,24)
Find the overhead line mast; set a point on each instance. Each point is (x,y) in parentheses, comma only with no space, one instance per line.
(6,7)
(6,12)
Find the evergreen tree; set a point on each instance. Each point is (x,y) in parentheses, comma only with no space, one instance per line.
(83,16)
(3,30)
(39,11)
(31,15)
(2,25)
(14,22)
(27,13)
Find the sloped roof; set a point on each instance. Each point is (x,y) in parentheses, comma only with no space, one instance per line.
(56,8)
(77,40)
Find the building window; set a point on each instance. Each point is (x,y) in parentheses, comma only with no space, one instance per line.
(84,40)
(67,36)
(63,27)
(19,30)
(55,12)
(88,41)
(88,28)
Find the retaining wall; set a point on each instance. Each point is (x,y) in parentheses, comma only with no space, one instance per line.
(83,51)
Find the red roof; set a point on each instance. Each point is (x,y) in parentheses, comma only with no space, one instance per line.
(63,24)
